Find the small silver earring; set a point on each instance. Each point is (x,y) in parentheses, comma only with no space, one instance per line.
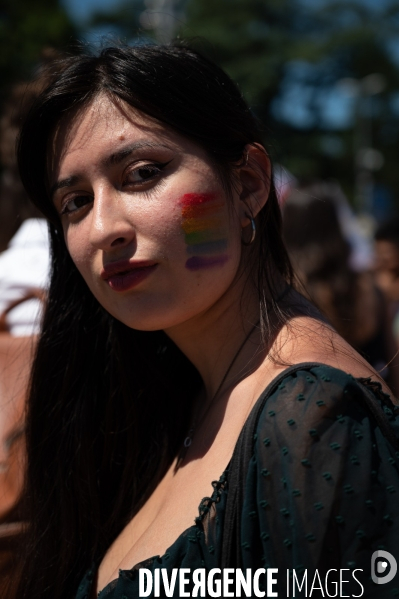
(253,234)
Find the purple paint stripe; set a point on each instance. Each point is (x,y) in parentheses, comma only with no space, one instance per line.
(209,247)
(198,262)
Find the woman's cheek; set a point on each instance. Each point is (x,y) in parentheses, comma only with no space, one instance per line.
(82,255)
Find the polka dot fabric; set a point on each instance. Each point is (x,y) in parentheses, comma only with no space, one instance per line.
(322,489)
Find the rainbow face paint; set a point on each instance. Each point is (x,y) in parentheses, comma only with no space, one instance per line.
(205,230)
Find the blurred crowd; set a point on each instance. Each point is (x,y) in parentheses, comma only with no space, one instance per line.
(352,276)
(24,266)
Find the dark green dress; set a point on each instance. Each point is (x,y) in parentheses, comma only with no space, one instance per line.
(322,493)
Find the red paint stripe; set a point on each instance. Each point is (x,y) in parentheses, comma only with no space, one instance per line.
(195,199)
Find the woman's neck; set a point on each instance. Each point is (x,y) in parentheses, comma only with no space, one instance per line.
(211,340)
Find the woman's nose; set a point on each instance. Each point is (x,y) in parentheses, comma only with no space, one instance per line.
(111,226)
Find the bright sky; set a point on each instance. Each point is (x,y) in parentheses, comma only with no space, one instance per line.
(80,10)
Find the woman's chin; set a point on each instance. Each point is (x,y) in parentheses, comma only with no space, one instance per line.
(156,321)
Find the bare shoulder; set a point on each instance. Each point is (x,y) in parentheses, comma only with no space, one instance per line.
(309,339)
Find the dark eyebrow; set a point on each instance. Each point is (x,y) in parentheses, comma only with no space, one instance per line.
(68,182)
(113,159)
(119,156)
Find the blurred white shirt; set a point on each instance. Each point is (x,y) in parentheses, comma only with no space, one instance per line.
(25,265)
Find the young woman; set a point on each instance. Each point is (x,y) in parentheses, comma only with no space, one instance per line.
(170,312)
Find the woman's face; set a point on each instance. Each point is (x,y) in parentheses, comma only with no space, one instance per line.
(145,217)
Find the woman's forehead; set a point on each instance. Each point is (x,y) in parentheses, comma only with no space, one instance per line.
(110,114)
(105,120)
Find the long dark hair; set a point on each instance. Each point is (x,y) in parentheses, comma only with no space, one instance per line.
(108,405)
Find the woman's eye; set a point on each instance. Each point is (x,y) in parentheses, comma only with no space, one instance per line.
(144,173)
(75,203)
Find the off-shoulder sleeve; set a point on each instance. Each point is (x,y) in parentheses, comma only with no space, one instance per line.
(322,490)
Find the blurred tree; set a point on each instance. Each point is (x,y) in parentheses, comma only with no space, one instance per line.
(142,20)
(26,28)
(288,58)
(124,19)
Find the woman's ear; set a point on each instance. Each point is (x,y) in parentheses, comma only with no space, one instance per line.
(255,178)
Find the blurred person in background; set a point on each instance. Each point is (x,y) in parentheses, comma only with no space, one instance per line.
(324,260)
(24,244)
(387,269)
(24,265)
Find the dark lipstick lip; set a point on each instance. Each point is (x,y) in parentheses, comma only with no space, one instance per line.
(124,267)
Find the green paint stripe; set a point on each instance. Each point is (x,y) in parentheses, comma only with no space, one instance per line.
(204,236)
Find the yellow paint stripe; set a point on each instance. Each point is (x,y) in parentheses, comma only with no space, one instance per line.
(202,210)
(191,225)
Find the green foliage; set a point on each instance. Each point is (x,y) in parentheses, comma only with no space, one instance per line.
(251,39)
(267,45)
(26,28)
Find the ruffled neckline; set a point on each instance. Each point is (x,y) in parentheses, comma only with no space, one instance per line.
(219,487)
